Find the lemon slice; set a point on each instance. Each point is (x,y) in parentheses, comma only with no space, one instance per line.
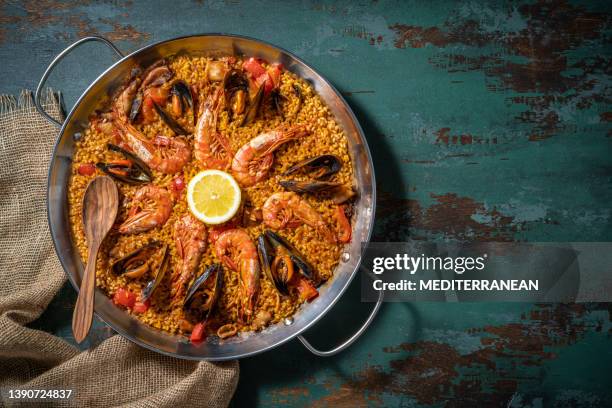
(213,196)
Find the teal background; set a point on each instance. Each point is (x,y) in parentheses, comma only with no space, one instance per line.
(486,121)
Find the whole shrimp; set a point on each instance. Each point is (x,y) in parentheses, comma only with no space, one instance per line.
(211,148)
(236,250)
(151,207)
(190,242)
(165,154)
(253,160)
(123,102)
(157,74)
(289,210)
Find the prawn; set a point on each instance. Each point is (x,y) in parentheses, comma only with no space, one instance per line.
(289,210)
(129,100)
(165,154)
(151,207)
(211,148)
(253,160)
(236,250)
(190,242)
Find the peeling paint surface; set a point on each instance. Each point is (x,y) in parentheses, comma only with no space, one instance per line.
(487,121)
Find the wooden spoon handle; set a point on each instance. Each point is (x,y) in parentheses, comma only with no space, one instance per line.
(83,310)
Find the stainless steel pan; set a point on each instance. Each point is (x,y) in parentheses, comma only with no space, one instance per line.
(122,322)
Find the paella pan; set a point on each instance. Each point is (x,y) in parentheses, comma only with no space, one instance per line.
(164,122)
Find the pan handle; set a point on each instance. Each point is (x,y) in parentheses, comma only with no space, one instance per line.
(55,61)
(350,340)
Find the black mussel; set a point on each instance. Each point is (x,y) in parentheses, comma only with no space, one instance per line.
(309,186)
(235,80)
(236,90)
(300,97)
(196,298)
(254,107)
(168,120)
(136,106)
(266,259)
(337,192)
(131,170)
(282,246)
(278,101)
(163,268)
(138,262)
(317,167)
(238,102)
(181,98)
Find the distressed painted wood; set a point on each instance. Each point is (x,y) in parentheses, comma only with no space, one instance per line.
(487,121)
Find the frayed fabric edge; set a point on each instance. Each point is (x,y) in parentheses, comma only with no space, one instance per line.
(25,101)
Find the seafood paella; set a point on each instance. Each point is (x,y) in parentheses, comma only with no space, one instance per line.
(236,194)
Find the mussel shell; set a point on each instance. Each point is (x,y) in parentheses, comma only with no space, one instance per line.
(337,192)
(139,174)
(298,94)
(308,186)
(235,80)
(181,89)
(265,256)
(318,167)
(118,266)
(168,120)
(279,99)
(254,107)
(136,106)
(215,269)
(153,284)
(305,267)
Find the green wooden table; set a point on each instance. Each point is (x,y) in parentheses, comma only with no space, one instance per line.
(486,122)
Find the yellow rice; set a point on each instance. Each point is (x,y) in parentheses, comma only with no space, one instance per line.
(326,138)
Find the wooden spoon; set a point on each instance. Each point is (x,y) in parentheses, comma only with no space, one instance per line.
(100,205)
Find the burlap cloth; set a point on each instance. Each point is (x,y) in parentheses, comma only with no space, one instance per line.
(116,372)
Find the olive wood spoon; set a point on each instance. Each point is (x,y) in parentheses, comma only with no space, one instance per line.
(100,205)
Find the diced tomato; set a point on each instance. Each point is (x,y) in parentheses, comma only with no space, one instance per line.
(253,66)
(269,78)
(267,83)
(306,290)
(86,169)
(124,297)
(344,226)
(141,307)
(178,184)
(274,73)
(148,110)
(197,335)
(159,94)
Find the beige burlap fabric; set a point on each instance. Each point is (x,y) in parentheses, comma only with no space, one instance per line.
(116,372)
